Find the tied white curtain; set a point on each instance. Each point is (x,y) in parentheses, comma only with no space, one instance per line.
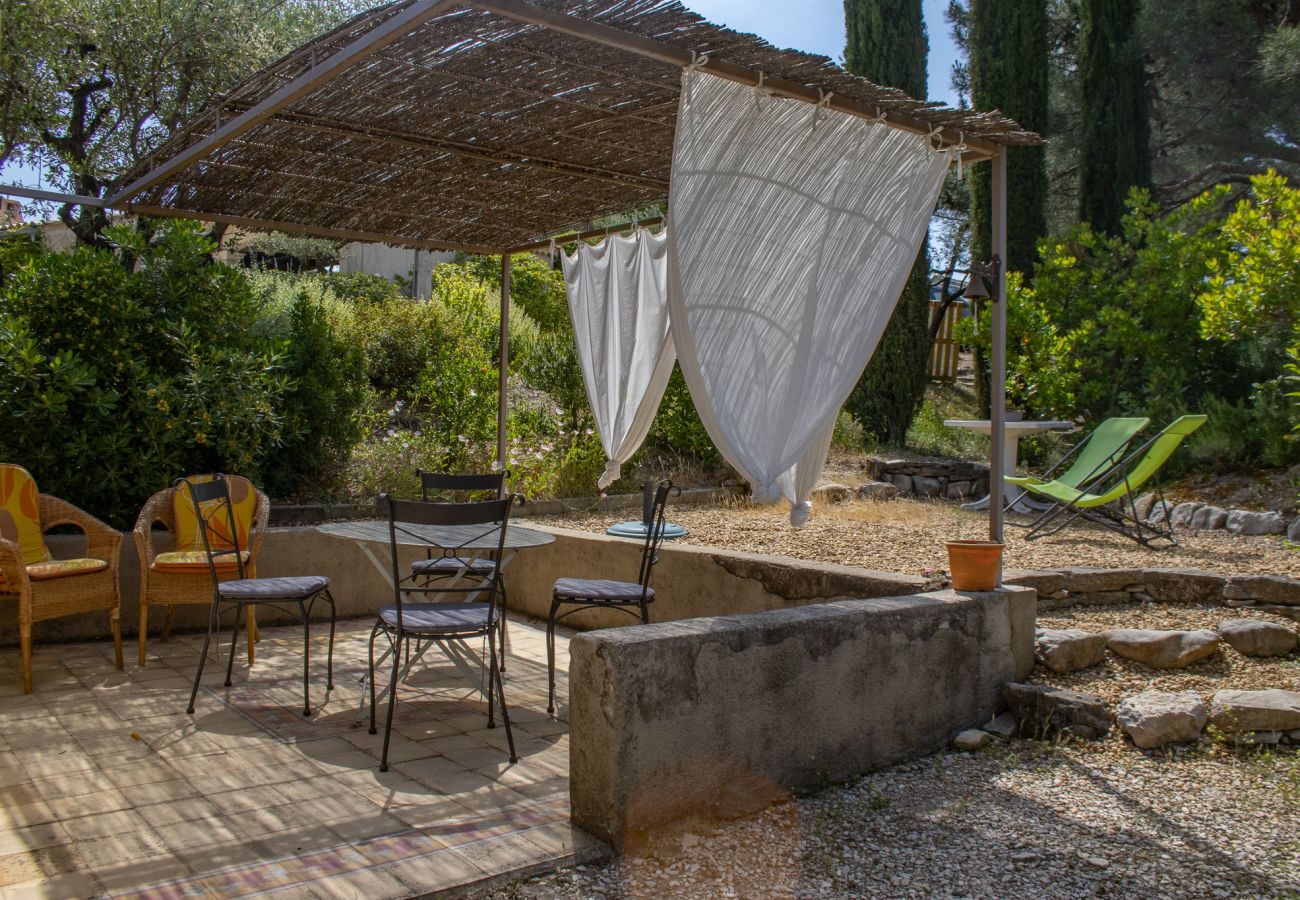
(792,230)
(618,305)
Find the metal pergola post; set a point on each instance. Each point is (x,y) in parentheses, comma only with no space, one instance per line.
(504,375)
(998,376)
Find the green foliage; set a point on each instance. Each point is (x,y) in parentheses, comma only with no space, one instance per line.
(322,406)
(677,429)
(114,382)
(1008,71)
(1114,145)
(1116,325)
(887,44)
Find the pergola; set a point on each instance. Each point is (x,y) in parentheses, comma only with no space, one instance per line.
(496,126)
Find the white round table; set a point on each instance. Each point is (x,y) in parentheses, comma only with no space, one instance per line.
(1012,432)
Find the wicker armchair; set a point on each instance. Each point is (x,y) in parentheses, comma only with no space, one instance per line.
(194,588)
(58,588)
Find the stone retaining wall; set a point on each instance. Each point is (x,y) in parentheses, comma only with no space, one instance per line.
(945,478)
(720,717)
(690,580)
(1093,586)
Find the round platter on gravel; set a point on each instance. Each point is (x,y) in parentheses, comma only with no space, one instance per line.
(641,529)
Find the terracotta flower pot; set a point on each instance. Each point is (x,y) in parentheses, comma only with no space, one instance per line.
(974,565)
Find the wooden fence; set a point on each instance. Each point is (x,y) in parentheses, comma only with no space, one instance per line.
(943,355)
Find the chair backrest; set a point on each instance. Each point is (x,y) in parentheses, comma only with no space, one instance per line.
(214,511)
(20,513)
(452,529)
(1154,454)
(243,501)
(434,484)
(1101,451)
(656,493)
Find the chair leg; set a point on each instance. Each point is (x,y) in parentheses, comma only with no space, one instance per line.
(374,632)
(494,677)
(250,612)
(502,584)
(25,638)
(392,702)
(144,629)
(306,658)
(167,624)
(550,656)
(329,657)
(493,672)
(115,622)
(234,644)
(207,642)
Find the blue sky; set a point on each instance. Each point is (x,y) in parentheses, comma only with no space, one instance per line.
(818,26)
(813,25)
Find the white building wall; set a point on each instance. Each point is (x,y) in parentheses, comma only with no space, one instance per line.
(394,263)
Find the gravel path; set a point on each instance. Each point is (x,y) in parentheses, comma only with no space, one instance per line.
(1018,819)
(909,535)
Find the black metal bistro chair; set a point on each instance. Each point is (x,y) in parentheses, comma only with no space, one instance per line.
(446,566)
(446,528)
(633,598)
(212,507)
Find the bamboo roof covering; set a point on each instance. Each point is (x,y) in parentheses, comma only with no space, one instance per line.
(484,126)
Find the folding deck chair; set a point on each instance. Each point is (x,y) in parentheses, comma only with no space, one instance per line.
(1110,500)
(1090,459)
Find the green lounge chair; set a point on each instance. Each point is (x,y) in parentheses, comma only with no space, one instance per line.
(1090,459)
(1109,501)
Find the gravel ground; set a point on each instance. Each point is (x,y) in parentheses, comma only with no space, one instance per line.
(909,535)
(1018,819)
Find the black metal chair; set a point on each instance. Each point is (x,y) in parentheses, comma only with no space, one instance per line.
(212,502)
(633,598)
(446,566)
(446,528)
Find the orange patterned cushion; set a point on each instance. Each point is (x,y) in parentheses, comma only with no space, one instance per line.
(195,561)
(243,497)
(20,513)
(59,568)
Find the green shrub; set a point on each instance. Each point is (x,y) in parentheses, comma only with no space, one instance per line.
(113,383)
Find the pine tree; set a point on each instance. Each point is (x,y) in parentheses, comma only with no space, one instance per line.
(1008,71)
(886,43)
(1114,142)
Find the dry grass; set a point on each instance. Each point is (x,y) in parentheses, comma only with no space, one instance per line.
(908,536)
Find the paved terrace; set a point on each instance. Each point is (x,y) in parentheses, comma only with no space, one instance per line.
(110,789)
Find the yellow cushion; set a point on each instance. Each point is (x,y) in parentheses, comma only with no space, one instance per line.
(243,498)
(20,513)
(58,568)
(195,561)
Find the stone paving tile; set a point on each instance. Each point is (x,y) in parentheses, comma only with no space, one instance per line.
(109,788)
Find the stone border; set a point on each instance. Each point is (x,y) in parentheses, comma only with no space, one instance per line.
(1089,586)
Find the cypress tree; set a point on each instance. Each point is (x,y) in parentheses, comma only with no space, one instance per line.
(1008,71)
(886,43)
(1114,141)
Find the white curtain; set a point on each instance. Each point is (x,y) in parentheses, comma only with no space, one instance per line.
(618,305)
(792,229)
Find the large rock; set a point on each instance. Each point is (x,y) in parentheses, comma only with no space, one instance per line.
(1184,585)
(1241,521)
(1267,588)
(1237,711)
(1162,649)
(1142,505)
(927,486)
(1086,579)
(877,490)
(1040,710)
(1155,718)
(1041,580)
(832,492)
(1068,649)
(1181,517)
(957,490)
(902,482)
(1160,511)
(1209,518)
(1293,531)
(1256,637)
